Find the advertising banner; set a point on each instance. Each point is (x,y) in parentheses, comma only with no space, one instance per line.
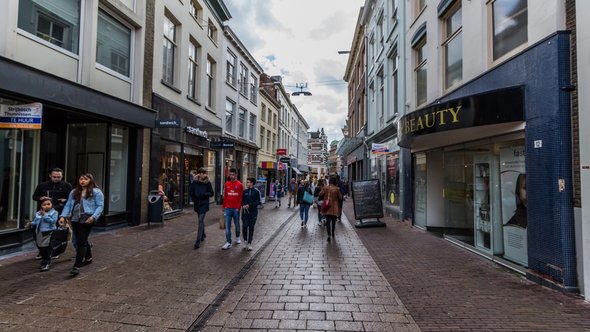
(21,116)
(514,203)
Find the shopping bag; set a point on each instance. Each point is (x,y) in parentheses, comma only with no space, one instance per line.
(307,197)
(325,206)
(59,241)
(222,222)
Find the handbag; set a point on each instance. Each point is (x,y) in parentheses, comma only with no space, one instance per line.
(222,222)
(307,197)
(325,205)
(43,239)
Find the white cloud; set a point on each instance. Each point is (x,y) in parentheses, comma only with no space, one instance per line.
(299,40)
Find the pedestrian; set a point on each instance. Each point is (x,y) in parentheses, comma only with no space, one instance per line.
(44,225)
(85,205)
(292,189)
(232,201)
(316,194)
(250,203)
(200,191)
(303,205)
(334,196)
(56,189)
(277,189)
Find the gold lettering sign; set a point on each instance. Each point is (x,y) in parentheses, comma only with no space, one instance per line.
(440,118)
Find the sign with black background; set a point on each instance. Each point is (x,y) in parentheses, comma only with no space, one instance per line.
(366,195)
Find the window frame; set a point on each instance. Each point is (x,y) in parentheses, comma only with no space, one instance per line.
(514,50)
(210,83)
(196,11)
(242,119)
(230,70)
(420,60)
(447,39)
(123,24)
(252,127)
(168,74)
(193,69)
(243,80)
(230,115)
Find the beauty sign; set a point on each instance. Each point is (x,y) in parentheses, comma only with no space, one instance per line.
(21,116)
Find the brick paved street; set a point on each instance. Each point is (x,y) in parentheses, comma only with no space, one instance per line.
(396,278)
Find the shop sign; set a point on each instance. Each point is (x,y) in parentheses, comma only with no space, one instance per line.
(282,152)
(21,116)
(380,148)
(494,107)
(196,132)
(221,145)
(173,123)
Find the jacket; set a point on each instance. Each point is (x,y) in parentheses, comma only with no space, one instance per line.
(232,195)
(300,192)
(59,190)
(333,193)
(45,223)
(93,206)
(200,191)
(251,197)
(292,188)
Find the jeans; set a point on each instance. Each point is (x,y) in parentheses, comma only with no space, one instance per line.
(330,224)
(277,199)
(248,222)
(293,198)
(304,212)
(200,229)
(229,214)
(82,231)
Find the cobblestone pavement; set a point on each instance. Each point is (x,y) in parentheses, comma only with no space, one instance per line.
(303,282)
(447,288)
(397,278)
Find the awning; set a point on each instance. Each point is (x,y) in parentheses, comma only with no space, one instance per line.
(271,165)
(296,170)
(303,168)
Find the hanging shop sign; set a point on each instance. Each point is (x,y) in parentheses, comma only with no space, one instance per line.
(27,116)
(196,132)
(380,148)
(499,106)
(221,145)
(282,152)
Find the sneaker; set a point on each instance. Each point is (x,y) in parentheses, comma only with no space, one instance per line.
(328,239)
(249,247)
(301,223)
(44,267)
(196,246)
(238,241)
(38,256)
(226,246)
(75,271)
(87,261)
(55,257)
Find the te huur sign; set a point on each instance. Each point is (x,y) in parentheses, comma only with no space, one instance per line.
(499,106)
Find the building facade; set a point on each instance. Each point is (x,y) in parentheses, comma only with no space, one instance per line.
(183,59)
(71,77)
(486,81)
(241,115)
(317,154)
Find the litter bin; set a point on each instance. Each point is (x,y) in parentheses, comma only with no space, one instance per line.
(155,207)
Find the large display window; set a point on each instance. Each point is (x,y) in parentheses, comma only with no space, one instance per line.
(485,199)
(169,182)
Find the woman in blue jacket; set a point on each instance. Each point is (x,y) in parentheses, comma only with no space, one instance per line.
(85,205)
(200,191)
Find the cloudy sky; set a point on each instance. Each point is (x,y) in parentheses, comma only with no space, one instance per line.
(299,40)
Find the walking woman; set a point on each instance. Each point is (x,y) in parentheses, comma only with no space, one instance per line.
(200,191)
(316,194)
(85,205)
(303,205)
(334,196)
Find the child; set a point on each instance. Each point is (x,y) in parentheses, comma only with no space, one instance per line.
(44,224)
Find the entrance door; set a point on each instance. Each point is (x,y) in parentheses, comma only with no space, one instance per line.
(87,147)
(486,204)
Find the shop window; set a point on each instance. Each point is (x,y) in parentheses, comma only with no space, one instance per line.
(453,48)
(117,194)
(193,68)
(169,51)
(420,189)
(113,44)
(193,160)
(510,26)
(169,181)
(57,22)
(86,152)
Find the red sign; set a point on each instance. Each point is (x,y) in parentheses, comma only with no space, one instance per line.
(282,152)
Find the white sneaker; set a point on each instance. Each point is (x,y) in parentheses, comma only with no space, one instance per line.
(238,241)
(226,246)
(249,247)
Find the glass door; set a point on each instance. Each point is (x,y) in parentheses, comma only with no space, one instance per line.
(481,204)
(419,168)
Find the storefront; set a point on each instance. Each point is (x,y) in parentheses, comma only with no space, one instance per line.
(491,165)
(242,157)
(385,167)
(80,130)
(268,172)
(181,145)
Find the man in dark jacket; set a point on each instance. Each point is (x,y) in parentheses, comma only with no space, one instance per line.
(56,189)
(250,203)
(200,191)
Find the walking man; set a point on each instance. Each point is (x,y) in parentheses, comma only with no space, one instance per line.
(232,201)
(250,203)
(200,191)
(292,192)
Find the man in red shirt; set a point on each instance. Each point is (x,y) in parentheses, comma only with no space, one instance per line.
(232,201)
